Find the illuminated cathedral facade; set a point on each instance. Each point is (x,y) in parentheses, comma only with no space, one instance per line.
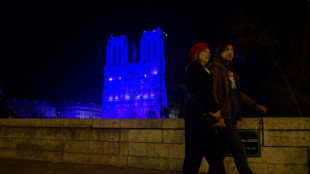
(134,84)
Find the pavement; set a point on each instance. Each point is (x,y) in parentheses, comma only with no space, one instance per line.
(21,166)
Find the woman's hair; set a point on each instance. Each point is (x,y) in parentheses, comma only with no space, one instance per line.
(195,59)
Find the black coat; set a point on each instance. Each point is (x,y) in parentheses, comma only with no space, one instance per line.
(199,85)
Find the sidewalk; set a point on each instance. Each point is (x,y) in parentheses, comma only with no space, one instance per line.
(20,166)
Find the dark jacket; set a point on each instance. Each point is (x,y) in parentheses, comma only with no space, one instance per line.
(221,90)
(201,102)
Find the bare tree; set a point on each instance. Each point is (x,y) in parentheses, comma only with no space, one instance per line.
(284,49)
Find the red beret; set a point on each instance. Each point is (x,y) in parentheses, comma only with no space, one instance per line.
(197,48)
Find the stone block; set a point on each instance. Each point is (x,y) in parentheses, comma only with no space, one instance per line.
(78,158)
(30,154)
(4,122)
(175,151)
(286,123)
(250,123)
(9,153)
(147,149)
(18,122)
(272,168)
(173,136)
(287,138)
(105,148)
(67,123)
(31,144)
(120,161)
(51,133)
(148,162)
(124,148)
(175,164)
(77,147)
(50,145)
(82,134)
(18,132)
(106,134)
(173,123)
(106,123)
(160,150)
(141,123)
(285,155)
(141,135)
(46,122)
(10,143)
(93,147)
(41,145)
(268,168)
(281,155)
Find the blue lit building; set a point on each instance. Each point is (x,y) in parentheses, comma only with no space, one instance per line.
(24,108)
(73,110)
(134,86)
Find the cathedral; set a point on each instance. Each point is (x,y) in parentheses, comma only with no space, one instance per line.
(134,78)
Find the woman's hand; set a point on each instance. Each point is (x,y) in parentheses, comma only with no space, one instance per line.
(222,123)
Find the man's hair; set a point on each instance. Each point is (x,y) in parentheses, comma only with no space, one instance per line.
(223,44)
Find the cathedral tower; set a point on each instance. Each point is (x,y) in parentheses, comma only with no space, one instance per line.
(135,89)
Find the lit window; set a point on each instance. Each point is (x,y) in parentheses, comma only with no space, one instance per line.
(127,97)
(111,98)
(154,71)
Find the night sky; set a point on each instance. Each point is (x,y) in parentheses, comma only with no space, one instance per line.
(55,50)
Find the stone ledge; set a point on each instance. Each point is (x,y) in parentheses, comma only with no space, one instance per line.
(177,123)
(287,123)
(46,122)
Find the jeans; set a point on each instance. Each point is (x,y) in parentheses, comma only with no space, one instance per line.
(231,139)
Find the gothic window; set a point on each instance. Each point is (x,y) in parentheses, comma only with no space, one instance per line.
(114,56)
(120,55)
(148,50)
(149,92)
(154,50)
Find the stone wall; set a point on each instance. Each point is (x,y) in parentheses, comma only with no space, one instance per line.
(148,143)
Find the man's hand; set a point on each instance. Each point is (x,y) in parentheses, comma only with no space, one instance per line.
(260,108)
(217,115)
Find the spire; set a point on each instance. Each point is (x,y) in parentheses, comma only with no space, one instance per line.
(158,28)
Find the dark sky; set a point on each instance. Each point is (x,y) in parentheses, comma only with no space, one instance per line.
(55,50)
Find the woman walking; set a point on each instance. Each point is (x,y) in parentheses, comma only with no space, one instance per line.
(200,137)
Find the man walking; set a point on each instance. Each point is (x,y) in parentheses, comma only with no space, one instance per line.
(230,99)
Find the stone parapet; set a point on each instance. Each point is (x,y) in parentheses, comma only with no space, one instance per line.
(148,143)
